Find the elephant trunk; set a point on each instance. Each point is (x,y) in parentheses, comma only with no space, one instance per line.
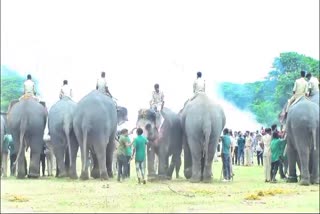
(23,127)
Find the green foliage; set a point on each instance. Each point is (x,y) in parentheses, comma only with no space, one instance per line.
(266,98)
(11,86)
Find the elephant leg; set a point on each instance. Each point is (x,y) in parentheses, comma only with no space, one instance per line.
(22,168)
(59,153)
(99,149)
(187,160)
(109,155)
(74,152)
(4,163)
(34,167)
(178,165)
(163,160)
(151,157)
(292,160)
(315,166)
(196,155)
(84,169)
(95,173)
(304,161)
(207,172)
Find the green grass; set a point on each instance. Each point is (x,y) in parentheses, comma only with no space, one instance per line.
(65,195)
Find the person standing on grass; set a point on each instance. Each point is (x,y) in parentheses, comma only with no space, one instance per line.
(235,153)
(139,151)
(266,140)
(124,142)
(241,143)
(225,154)
(277,147)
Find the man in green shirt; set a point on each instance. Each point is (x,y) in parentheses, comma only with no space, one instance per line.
(277,148)
(124,142)
(139,150)
(225,154)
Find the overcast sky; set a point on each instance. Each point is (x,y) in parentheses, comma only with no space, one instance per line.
(139,43)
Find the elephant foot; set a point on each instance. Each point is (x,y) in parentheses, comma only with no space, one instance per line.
(315,180)
(32,175)
(162,177)
(207,180)
(195,179)
(188,173)
(95,173)
(292,179)
(73,176)
(304,182)
(110,173)
(62,175)
(21,176)
(84,176)
(104,176)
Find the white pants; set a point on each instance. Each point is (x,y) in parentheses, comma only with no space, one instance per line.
(267,165)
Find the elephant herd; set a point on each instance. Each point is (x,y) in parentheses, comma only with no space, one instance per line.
(91,125)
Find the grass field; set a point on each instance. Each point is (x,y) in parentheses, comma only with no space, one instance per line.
(49,194)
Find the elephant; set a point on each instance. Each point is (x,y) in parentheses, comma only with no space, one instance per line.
(202,122)
(26,121)
(166,143)
(4,156)
(63,139)
(302,128)
(95,124)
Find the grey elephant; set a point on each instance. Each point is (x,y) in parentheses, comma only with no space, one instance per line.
(302,128)
(166,143)
(63,139)
(27,120)
(202,122)
(95,125)
(3,157)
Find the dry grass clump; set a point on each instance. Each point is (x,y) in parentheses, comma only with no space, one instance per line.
(261,193)
(18,198)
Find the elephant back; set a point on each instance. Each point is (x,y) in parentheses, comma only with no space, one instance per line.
(61,112)
(96,108)
(30,109)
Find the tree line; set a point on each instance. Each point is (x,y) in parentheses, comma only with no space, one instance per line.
(266,98)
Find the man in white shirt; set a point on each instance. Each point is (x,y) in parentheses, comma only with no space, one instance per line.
(157,100)
(199,86)
(29,88)
(266,141)
(156,104)
(65,91)
(300,89)
(102,85)
(313,84)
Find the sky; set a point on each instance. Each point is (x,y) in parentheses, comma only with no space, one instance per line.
(140,43)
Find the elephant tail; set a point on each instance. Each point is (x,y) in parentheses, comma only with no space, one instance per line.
(206,133)
(23,127)
(84,163)
(314,139)
(67,133)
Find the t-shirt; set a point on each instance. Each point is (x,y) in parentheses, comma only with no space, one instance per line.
(139,143)
(128,148)
(66,91)
(241,143)
(7,141)
(226,142)
(122,148)
(102,84)
(28,86)
(277,146)
(300,86)
(199,85)
(313,85)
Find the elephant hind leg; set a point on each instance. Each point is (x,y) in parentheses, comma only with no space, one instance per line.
(304,161)
(315,167)
(99,150)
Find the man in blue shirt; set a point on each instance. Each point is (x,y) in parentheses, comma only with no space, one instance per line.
(225,154)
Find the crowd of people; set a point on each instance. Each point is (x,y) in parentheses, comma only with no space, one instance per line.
(268,145)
